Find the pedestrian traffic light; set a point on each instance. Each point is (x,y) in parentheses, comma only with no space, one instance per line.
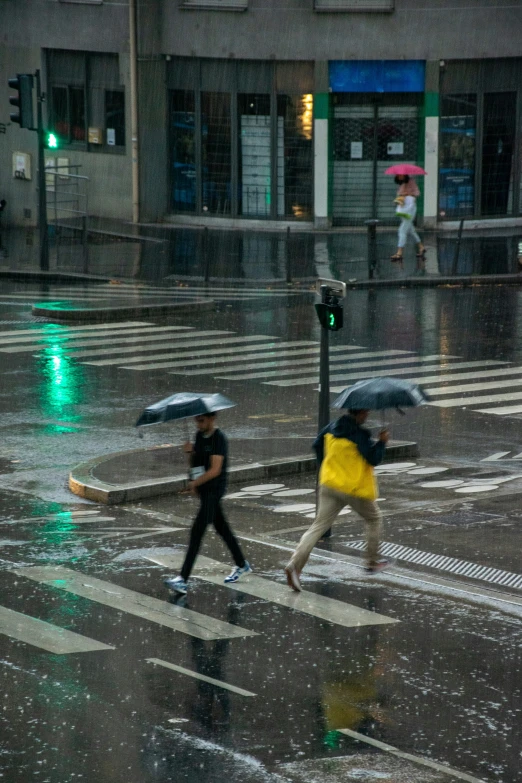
(51,141)
(23,84)
(330,316)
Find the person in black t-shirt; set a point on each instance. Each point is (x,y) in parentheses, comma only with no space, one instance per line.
(208,474)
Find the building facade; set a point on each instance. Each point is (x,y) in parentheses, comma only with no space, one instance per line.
(262,112)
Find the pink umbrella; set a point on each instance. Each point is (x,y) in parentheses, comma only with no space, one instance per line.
(405,168)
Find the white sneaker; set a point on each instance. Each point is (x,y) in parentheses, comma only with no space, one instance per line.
(238,572)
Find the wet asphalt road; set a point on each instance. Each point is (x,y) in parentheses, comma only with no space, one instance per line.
(437,678)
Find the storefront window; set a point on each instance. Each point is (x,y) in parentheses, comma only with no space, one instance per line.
(457,155)
(216,152)
(183,130)
(254,155)
(295,159)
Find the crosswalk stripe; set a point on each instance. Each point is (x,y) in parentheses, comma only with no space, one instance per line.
(443,376)
(286,357)
(207,343)
(206,355)
(42,634)
(72,340)
(505,410)
(152,609)
(314,604)
(349,376)
(181,338)
(467,401)
(390,363)
(157,365)
(57,330)
(203,677)
(234,368)
(472,387)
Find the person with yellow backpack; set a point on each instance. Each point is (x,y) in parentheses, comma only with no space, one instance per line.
(347,455)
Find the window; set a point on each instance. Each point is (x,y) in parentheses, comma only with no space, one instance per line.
(354,5)
(216,5)
(86,100)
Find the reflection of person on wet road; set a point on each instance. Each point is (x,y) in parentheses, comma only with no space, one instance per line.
(208,461)
(347,455)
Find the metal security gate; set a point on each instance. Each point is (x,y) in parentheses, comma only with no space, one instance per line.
(366,140)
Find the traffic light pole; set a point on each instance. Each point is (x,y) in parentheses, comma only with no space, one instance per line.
(42,196)
(324,379)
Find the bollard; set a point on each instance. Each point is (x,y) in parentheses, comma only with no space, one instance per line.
(206,255)
(457,247)
(372,246)
(288,258)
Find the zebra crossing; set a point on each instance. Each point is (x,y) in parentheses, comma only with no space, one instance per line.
(485,386)
(123,293)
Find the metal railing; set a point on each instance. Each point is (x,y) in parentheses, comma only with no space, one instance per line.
(67,208)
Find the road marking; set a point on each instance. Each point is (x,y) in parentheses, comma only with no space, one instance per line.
(201,356)
(453,565)
(443,377)
(348,376)
(496,456)
(182,338)
(472,387)
(63,337)
(313,604)
(203,677)
(279,358)
(336,363)
(468,401)
(409,757)
(60,330)
(503,411)
(48,637)
(152,609)
(115,532)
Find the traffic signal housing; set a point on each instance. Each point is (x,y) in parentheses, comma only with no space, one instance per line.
(23,84)
(330,316)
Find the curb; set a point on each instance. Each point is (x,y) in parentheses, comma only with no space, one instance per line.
(434,282)
(62,312)
(85,485)
(52,277)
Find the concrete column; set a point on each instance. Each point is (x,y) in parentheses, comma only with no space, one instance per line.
(322,216)
(431,149)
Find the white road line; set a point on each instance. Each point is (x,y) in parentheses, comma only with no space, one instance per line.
(391,363)
(70,339)
(157,365)
(333,365)
(503,411)
(313,604)
(442,377)
(56,330)
(472,387)
(90,340)
(467,401)
(197,676)
(192,344)
(48,637)
(409,757)
(275,355)
(155,611)
(206,355)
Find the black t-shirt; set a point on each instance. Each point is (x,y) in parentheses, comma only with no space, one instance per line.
(204,448)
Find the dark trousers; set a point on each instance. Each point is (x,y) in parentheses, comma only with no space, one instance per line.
(210,513)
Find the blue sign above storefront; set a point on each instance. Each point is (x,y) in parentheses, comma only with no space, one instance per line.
(376,75)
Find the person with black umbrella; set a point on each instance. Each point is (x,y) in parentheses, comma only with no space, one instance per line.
(347,455)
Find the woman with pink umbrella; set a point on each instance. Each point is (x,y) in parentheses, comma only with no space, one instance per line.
(406,201)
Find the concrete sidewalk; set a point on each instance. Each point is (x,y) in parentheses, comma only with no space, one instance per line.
(160,470)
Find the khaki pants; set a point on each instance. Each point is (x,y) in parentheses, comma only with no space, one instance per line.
(331,502)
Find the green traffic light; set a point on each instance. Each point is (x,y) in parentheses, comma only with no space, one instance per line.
(331,319)
(52,141)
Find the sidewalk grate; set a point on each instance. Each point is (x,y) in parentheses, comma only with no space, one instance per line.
(451,564)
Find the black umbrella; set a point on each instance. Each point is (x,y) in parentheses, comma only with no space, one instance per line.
(182,406)
(380,393)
